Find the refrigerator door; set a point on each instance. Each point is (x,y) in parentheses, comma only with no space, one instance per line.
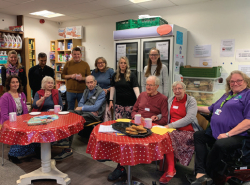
(130,49)
(165,45)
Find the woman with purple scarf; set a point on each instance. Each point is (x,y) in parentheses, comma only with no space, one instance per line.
(14,67)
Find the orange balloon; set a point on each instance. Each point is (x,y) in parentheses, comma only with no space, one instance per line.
(164,29)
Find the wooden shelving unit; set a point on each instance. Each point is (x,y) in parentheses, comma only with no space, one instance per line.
(61,51)
(30,53)
(20,51)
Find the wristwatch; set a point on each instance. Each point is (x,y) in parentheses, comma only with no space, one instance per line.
(227,134)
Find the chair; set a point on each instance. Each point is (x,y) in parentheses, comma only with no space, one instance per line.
(2,149)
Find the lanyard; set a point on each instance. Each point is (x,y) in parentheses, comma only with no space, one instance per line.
(228,98)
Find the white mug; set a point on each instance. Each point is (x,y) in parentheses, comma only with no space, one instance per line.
(148,123)
(137,119)
(12,116)
(57,108)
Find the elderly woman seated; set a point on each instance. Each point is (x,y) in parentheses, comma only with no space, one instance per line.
(47,97)
(228,127)
(182,110)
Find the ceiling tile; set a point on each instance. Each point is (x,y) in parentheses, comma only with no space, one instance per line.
(85,15)
(5,4)
(105,12)
(183,2)
(156,4)
(112,3)
(130,8)
(18,1)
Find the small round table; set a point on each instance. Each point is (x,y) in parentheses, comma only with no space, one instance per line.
(127,150)
(20,133)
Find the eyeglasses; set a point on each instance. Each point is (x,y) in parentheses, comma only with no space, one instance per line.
(100,63)
(150,85)
(177,89)
(153,55)
(237,81)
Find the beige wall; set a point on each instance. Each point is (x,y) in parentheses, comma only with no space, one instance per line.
(9,20)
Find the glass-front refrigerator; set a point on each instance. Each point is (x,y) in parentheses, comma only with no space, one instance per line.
(130,49)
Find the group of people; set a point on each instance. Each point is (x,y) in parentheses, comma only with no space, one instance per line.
(119,90)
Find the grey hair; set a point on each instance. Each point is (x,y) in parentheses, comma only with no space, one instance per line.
(155,78)
(91,76)
(179,83)
(45,80)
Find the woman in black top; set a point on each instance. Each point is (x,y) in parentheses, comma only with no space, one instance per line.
(14,67)
(125,84)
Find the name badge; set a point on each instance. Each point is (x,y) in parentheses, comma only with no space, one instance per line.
(175,107)
(93,97)
(147,109)
(218,111)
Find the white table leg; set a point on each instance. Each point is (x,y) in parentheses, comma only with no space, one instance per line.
(48,169)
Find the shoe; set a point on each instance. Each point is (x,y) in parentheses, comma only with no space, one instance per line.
(67,152)
(204,180)
(14,159)
(63,142)
(118,172)
(167,176)
(190,177)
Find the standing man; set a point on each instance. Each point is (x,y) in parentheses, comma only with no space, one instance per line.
(38,72)
(75,72)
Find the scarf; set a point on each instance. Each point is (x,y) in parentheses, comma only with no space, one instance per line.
(12,70)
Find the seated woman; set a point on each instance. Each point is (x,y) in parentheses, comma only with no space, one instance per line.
(229,122)
(14,100)
(47,97)
(182,110)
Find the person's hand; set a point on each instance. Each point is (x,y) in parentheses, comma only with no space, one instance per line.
(78,108)
(106,91)
(73,76)
(79,77)
(111,105)
(154,118)
(47,94)
(166,126)
(221,136)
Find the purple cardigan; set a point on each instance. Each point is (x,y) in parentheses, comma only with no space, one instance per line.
(7,105)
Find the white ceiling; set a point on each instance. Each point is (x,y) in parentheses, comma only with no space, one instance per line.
(84,9)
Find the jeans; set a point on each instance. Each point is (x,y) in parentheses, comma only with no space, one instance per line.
(71,99)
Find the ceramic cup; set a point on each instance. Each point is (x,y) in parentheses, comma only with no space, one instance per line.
(12,116)
(137,119)
(148,123)
(57,108)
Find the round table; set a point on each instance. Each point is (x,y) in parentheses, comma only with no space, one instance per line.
(127,150)
(19,132)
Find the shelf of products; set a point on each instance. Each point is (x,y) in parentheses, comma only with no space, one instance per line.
(60,54)
(4,50)
(30,53)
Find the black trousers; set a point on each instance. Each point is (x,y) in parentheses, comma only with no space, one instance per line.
(207,162)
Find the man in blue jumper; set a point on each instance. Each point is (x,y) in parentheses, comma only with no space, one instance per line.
(91,107)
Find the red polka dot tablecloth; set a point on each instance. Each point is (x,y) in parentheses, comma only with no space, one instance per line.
(20,133)
(127,150)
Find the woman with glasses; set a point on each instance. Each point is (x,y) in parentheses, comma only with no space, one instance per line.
(125,84)
(182,110)
(228,127)
(103,75)
(155,67)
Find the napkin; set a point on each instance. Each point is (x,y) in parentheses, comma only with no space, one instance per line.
(123,120)
(161,130)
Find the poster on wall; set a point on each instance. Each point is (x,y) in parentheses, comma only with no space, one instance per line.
(74,32)
(121,51)
(242,55)
(227,48)
(245,69)
(163,48)
(202,51)
(205,62)
(61,33)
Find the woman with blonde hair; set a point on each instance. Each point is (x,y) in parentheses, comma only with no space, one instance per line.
(47,97)
(14,67)
(126,86)
(155,67)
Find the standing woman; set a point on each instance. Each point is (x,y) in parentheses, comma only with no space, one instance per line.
(14,100)
(125,84)
(103,75)
(155,67)
(14,67)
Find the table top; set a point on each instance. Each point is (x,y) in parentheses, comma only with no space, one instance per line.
(127,150)
(19,132)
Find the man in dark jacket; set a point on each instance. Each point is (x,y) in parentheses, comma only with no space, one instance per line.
(38,72)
